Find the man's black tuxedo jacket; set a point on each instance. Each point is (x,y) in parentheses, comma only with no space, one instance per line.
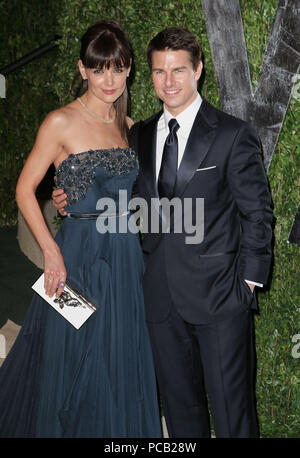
(206,280)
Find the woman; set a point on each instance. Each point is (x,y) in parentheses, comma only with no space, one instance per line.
(97,381)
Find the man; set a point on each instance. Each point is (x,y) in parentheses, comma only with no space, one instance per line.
(199,296)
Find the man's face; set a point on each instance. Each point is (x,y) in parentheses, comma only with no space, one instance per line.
(174,79)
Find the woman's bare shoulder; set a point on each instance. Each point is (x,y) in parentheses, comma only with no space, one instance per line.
(61,117)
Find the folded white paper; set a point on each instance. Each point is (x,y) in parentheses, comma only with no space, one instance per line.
(71,305)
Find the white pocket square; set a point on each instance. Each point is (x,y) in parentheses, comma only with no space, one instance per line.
(206,168)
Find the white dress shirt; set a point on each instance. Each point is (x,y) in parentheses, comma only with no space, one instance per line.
(185,120)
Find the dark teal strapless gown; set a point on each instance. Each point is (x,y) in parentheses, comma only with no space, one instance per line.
(97,381)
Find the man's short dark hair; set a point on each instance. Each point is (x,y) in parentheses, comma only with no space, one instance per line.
(175,39)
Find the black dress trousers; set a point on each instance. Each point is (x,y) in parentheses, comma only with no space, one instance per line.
(199,362)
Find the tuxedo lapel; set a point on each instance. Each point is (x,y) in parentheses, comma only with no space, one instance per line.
(147,147)
(200,139)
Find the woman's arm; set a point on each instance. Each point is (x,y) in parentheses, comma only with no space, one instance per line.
(48,146)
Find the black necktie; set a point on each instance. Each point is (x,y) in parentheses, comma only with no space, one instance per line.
(168,169)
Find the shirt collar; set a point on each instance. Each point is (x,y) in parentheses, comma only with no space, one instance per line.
(186,118)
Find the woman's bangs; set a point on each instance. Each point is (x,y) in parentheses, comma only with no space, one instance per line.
(105,52)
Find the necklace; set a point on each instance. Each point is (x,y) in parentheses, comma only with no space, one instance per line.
(91,113)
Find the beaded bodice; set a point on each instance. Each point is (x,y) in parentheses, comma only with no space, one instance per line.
(105,170)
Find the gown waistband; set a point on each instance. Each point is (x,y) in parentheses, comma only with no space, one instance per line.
(96,215)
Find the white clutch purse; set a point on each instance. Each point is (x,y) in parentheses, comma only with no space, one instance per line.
(71,305)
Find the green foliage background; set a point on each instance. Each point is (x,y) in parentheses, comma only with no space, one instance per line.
(25,26)
(45,83)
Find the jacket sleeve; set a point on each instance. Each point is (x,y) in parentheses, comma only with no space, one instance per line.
(250,190)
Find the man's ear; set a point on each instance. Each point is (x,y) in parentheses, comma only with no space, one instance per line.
(198,70)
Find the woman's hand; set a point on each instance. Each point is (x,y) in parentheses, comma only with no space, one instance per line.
(55,272)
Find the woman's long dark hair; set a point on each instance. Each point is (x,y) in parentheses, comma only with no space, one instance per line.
(102,45)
